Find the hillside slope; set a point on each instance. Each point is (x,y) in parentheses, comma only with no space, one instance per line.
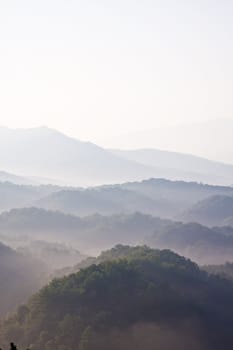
(200,243)
(47,153)
(158,197)
(210,139)
(92,234)
(20,277)
(89,234)
(152,298)
(43,153)
(18,196)
(15,179)
(180,165)
(214,210)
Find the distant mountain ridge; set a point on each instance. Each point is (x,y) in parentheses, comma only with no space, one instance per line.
(202,244)
(48,154)
(158,197)
(214,210)
(16,179)
(17,196)
(182,165)
(88,234)
(94,233)
(210,139)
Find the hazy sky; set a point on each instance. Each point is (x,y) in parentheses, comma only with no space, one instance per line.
(93,68)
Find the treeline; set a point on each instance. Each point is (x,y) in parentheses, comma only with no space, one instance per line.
(137,298)
(225,270)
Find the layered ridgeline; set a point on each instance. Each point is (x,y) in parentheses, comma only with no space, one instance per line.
(225,270)
(186,166)
(89,234)
(155,196)
(200,243)
(15,179)
(20,277)
(149,299)
(162,197)
(214,210)
(211,139)
(19,196)
(50,235)
(48,153)
(158,197)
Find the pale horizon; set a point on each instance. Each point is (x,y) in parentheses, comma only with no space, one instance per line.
(116,174)
(96,71)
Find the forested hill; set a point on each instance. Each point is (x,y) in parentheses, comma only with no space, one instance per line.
(146,300)
(225,270)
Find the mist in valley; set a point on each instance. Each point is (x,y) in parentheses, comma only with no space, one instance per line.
(116,175)
(54,235)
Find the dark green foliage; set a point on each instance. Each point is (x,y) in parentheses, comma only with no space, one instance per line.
(126,302)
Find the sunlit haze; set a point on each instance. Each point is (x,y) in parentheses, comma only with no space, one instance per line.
(116,174)
(99,69)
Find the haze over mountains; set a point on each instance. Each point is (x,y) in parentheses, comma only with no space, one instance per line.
(128,297)
(209,139)
(29,229)
(116,215)
(16,179)
(155,196)
(13,195)
(96,218)
(48,154)
(182,166)
(57,230)
(214,210)
(20,277)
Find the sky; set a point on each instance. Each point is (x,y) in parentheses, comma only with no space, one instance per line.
(99,69)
